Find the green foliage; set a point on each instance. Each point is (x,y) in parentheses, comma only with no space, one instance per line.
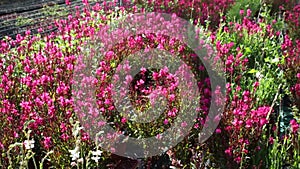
(263,53)
(234,13)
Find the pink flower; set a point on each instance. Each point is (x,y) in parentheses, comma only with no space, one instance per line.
(248,123)
(65,137)
(85,137)
(271,140)
(155,75)
(67,2)
(248,12)
(27,32)
(238,159)
(229,60)
(171,113)
(1,146)
(171,97)
(140,82)
(158,136)
(256,84)
(101,123)
(246,142)
(183,124)
(16,135)
(143,70)
(107,101)
(196,126)
(166,121)
(47,142)
(242,12)
(123,120)
(228,151)
(25,105)
(109,55)
(294,125)
(63,127)
(235,122)
(85,2)
(263,121)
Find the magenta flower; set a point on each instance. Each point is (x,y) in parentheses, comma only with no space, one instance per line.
(271,140)
(123,120)
(65,137)
(242,12)
(16,135)
(47,142)
(294,125)
(67,2)
(248,12)
(1,146)
(166,121)
(228,151)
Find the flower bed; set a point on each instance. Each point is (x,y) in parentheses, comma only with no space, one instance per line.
(47,118)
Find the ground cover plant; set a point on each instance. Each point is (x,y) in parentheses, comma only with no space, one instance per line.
(259,126)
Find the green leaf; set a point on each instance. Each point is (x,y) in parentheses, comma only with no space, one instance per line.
(247,50)
(267,59)
(113,64)
(253,71)
(22,57)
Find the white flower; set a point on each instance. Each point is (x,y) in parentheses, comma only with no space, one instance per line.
(74,153)
(97,153)
(73,164)
(96,159)
(29,144)
(259,75)
(80,160)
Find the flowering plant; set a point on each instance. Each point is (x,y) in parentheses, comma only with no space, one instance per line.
(41,125)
